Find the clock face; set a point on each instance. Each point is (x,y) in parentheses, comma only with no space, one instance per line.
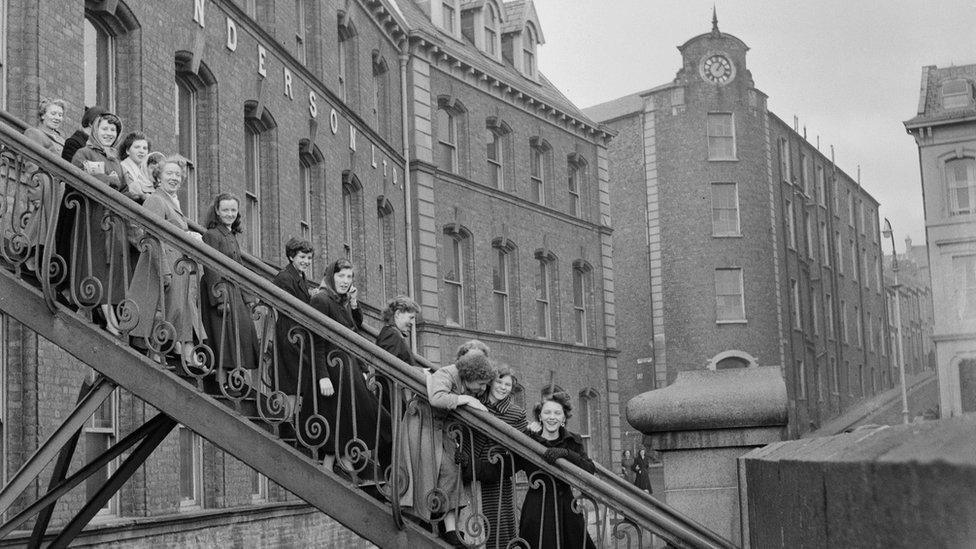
(717,69)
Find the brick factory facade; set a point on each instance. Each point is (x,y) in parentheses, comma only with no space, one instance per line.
(420,140)
(738,243)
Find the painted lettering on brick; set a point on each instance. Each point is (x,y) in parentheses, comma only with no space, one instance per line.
(199,10)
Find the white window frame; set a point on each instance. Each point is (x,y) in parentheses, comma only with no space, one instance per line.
(715,134)
(954,187)
(111,508)
(190,181)
(829,315)
(795,300)
(854,267)
(824,244)
(543,299)
(496,161)
(839,249)
(739,284)
(348,219)
(528,52)
(821,186)
(305,198)
(790,225)
(196,501)
(956,99)
(492,46)
(538,160)
(111,50)
(252,190)
(814,313)
(574,183)
(801,375)
(964,266)
(718,209)
(447,142)
(261,495)
(500,292)
(845,334)
(785,160)
(455,247)
(834,376)
(301,46)
(807,220)
(581,289)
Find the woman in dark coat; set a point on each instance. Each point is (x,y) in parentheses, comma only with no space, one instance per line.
(109,261)
(350,408)
(497,482)
(290,357)
(225,308)
(642,474)
(549,501)
(398,319)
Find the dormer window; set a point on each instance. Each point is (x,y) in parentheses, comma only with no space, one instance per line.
(448,17)
(491,30)
(956,94)
(528,51)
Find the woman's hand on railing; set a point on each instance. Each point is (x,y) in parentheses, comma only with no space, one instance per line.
(325,387)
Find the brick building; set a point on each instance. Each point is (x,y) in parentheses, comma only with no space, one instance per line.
(945,132)
(917,313)
(511,208)
(739,243)
(420,140)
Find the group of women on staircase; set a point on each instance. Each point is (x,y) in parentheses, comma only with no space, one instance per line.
(140,284)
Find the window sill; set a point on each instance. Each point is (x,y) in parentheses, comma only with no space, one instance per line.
(743,321)
(723,159)
(729,235)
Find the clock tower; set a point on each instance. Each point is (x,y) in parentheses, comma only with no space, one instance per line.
(716,62)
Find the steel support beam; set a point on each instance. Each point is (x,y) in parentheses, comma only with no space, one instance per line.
(35,464)
(156,434)
(58,475)
(64,486)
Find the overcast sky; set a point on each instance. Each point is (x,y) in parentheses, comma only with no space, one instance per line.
(849,69)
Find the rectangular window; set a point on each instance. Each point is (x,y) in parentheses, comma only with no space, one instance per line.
(347,220)
(960,176)
(259,487)
(870,335)
(191,469)
(453,279)
(801,380)
(725,209)
(305,200)
(790,225)
(447,141)
(300,48)
(494,153)
(805,181)
(860,216)
(729,298)
(840,253)
(586,421)
(542,309)
(834,378)
(829,315)
(342,59)
(965,284)
(808,228)
(821,187)
(537,175)
(252,191)
(843,321)
(865,272)
(447,17)
(186,140)
(499,275)
(853,248)
(795,301)
(99,65)
(836,186)
(858,327)
(850,209)
(100,434)
(785,167)
(721,136)
(388,234)
(824,244)
(820,382)
(580,291)
(814,313)
(574,175)
(955,94)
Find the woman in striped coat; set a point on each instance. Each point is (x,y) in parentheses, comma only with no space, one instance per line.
(496,468)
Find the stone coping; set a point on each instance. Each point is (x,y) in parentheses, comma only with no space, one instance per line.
(713,399)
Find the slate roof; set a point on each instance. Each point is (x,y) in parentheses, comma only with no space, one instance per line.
(622,106)
(930,108)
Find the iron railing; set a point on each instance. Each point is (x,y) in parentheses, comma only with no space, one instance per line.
(88,246)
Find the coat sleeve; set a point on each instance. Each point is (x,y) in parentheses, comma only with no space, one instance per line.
(439,390)
(357,319)
(577,456)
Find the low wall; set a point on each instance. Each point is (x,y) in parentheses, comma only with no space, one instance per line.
(903,486)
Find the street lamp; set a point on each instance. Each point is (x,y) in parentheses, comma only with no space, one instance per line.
(900,358)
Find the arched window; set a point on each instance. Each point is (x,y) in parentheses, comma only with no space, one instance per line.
(545,291)
(576,175)
(491,29)
(346,62)
(450,129)
(960,175)
(388,268)
(310,160)
(195,93)
(259,175)
(381,95)
(588,399)
(539,169)
(497,151)
(504,283)
(582,299)
(456,256)
(110,55)
(528,51)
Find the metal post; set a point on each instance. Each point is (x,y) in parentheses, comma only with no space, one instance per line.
(900,358)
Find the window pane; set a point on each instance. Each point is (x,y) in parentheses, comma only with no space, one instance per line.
(499,272)
(187,492)
(728,295)
(501,312)
(453,295)
(725,216)
(721,136)
(542,316)
(95,445)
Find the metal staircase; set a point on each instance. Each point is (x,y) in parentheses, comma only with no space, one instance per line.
(62,230)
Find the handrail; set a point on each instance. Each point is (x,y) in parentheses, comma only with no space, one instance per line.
(654,516)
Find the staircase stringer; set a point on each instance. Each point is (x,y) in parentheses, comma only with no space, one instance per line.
(223,427)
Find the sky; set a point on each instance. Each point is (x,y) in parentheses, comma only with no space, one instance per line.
(849,69)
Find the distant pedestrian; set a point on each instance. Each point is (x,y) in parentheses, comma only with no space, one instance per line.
(627,466)
(642,474)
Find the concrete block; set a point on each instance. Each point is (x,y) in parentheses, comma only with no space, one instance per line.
(717,510)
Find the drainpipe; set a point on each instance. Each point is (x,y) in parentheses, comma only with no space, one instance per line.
(404,57)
